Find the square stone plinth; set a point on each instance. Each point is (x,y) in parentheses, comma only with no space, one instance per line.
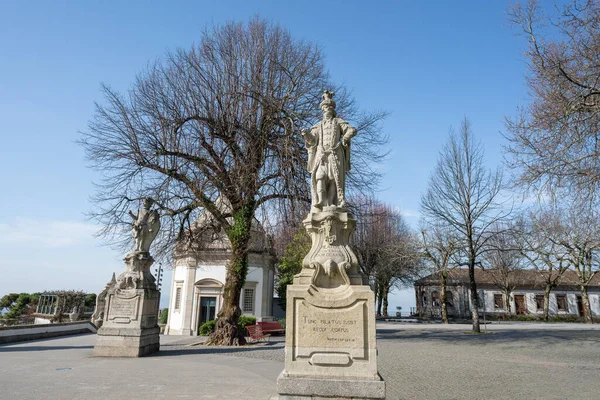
(315,388)
(126,342)
(331,333)
(130,326)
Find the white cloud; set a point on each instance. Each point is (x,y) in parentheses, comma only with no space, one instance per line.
(45,233)
(409,213)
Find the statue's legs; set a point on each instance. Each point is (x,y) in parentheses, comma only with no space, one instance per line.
(321,177)
(337,186)
(332,193)
(321,193)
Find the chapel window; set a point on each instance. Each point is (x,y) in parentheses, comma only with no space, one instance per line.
(248,304)
(177,298)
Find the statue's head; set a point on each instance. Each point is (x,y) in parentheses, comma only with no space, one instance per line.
(148,202)
(328,104)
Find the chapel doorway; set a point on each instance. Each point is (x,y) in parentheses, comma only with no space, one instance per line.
(208,307)
(520,304)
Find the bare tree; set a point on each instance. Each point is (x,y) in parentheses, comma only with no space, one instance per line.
(554,140)
(387,249)
(578,233)
(502,259)
(536,234)
(441,249)
(215,129)
(401,263)
(368,240)
(463,194)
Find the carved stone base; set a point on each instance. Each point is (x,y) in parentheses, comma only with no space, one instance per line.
(313,388)
(130,327)
(126,342)
(330,344)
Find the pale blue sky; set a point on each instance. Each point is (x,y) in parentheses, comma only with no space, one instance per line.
(428,63)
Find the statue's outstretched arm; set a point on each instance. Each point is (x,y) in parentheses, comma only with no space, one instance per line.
(309,136)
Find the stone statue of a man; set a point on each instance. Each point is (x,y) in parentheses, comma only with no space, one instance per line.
(328,145)
(145,227)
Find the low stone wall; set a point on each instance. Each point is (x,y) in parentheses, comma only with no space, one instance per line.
(10,334)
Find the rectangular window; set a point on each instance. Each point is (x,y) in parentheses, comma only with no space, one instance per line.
(498,301)
(248,305)
(435,299)
(561,302)
(539,302)
(177,298)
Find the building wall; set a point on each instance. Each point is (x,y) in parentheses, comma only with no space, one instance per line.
(462,302)
(179,280)
(531,305)
(189,273)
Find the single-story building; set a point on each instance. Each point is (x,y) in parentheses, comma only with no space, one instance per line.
(527,297)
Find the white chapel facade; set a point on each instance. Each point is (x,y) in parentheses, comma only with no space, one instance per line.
(199,277)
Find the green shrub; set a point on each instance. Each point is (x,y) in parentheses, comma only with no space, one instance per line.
(245,321)
(164,314)
(207,328)
(282,322)
(563,318)
(90,302)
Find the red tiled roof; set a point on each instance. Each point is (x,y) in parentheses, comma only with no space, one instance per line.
(525,278)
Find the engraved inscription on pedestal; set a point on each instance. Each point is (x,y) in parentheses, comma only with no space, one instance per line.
(123,310)
(331,252)
(330,329)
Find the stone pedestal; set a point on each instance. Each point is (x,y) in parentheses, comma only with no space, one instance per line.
(330,349)
(130,322)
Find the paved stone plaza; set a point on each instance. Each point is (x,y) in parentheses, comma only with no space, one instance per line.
(418,361)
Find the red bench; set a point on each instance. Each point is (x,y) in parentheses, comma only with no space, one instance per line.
(271,327)
(256,332)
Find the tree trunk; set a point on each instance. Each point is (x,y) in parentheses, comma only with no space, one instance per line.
(587,310)
(474,297)
(376,292)
(547,291)
(507,301)
(385,299)
(379,299)
(443,279)
(226,331)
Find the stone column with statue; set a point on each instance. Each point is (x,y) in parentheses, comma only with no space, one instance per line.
(128,309)
(330,348)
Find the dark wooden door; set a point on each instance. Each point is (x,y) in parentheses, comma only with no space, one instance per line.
(580,305)
(207,309)
(520,304)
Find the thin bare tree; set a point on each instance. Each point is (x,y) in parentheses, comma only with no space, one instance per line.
(503,260)
(386,247)
(463,194)
(216,129)
(535,229)
(441,249)
(554,140)
(578,233)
